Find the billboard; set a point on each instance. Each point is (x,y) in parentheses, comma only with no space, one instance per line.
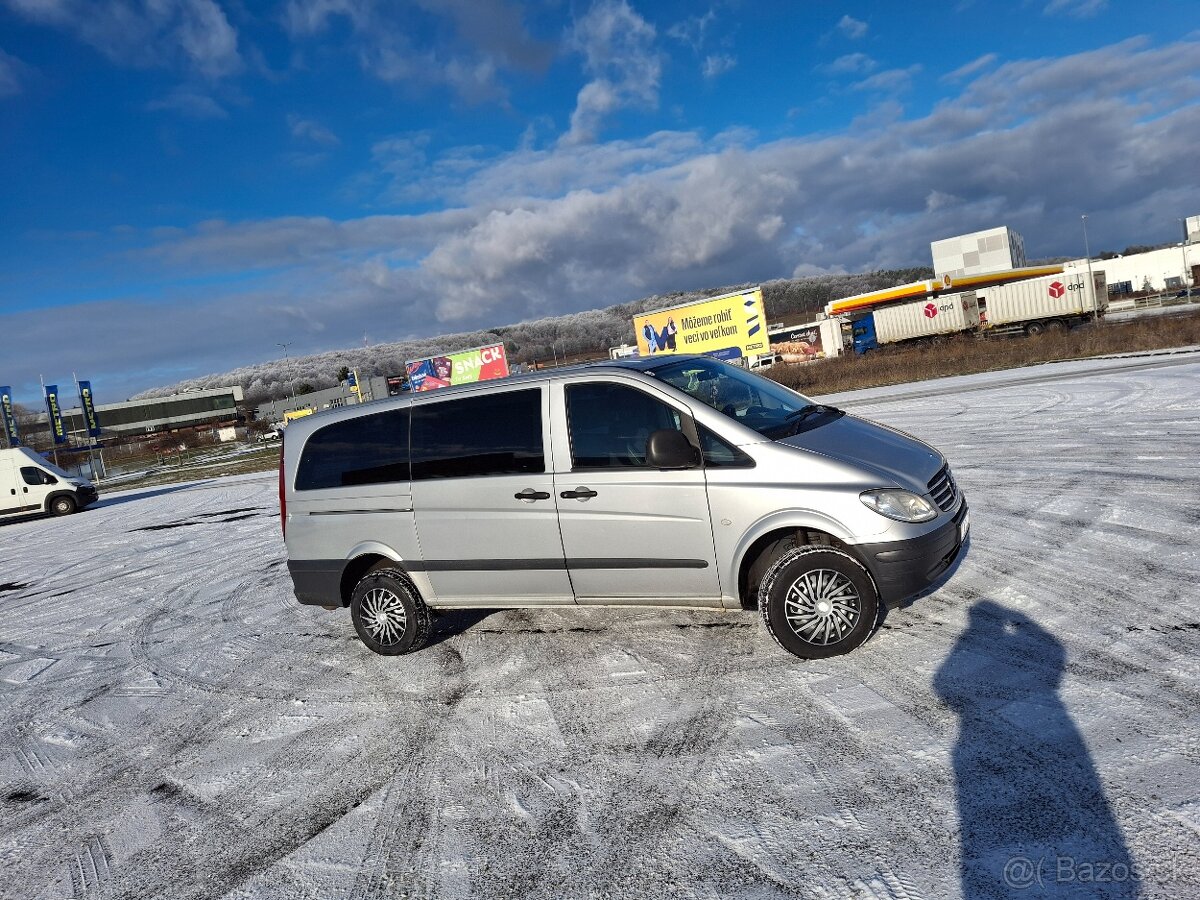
(88,404)
(463,367)
(728,327)
(798,344)
(54,412)
(8,417)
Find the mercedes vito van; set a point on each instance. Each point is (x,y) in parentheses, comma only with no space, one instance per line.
(29,484)
(674,481)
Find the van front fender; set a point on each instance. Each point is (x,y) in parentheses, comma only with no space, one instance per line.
(783,520)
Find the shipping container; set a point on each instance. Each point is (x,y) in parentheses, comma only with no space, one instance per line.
(926,318)
(1034,303)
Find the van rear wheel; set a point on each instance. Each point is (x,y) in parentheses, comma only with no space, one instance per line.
(818,602)
(389,614)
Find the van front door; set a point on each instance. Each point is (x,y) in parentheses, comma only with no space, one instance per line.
(630,532)
(484,501)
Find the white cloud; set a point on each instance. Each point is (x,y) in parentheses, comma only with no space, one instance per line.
(619,55)
(576,227)
(693,30)
(889,81)
(1076,9)
(974,67)
(851,64)
(190,103)
(11,75)
(143,33)
(309,130)
(490,37)
(717,64)
(852,28)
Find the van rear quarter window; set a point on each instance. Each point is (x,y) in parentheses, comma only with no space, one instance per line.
(498,433)
(365,450)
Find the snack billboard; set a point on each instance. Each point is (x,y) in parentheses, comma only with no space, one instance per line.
(463,367)
(728,327)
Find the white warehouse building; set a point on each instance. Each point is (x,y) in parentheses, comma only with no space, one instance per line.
(1155,271)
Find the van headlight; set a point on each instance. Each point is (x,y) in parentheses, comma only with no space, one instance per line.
(903,506)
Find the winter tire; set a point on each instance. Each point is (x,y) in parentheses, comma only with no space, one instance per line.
(1034,328)
(389,614)
(818,602)
(62,506)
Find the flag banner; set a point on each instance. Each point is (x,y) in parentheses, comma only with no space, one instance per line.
(87,402)
(10,419)
(55,414)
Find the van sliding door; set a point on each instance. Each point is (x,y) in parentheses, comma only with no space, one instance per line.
(484,500)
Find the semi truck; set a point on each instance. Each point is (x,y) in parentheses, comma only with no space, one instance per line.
(1032,305)
(929,318)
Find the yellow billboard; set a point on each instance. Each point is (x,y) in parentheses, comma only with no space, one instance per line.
(728,327)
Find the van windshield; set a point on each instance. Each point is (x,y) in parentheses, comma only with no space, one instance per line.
(768,407)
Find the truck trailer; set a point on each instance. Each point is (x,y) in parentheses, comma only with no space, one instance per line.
(1039,304)
(927,318)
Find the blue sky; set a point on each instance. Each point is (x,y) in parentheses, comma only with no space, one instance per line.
(189,182)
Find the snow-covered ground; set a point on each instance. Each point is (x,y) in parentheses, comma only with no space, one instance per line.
(174,724)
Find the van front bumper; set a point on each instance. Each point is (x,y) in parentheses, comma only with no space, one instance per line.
(904,569)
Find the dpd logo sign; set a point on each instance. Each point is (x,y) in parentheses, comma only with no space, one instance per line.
(931,310)
(1056,289)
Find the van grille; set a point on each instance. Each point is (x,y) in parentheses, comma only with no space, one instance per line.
(943,489)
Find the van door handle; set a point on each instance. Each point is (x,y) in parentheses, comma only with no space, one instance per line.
(580,493)
(529,495)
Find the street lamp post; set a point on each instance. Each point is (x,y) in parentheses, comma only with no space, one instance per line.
(1091,280)
(1187,282)
(285,359)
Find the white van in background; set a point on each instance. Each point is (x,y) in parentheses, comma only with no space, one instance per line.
(29,484)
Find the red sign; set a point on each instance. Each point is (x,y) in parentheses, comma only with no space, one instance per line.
(930,310)
(1056,289)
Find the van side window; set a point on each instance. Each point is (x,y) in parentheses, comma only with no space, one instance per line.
(34,475)
(610,424)
(366,450)
(720,455)
(495,434)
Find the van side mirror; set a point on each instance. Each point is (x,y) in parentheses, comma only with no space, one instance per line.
(670,449)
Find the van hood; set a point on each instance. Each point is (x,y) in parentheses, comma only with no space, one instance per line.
(892,454)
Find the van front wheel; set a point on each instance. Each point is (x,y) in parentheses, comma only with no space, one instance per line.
(62,506)
(389,614)
(818,602)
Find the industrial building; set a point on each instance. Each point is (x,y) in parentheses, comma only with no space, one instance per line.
(993,250)
(376,387)
(217,406)
(1168,269)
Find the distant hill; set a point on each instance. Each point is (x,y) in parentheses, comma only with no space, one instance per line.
(574,334)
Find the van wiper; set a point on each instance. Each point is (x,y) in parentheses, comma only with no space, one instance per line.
(808,410)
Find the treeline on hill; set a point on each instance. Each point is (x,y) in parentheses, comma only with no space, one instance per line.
(572,335)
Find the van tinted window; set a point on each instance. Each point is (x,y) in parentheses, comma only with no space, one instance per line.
(366,450)
(610,424)
(493,434)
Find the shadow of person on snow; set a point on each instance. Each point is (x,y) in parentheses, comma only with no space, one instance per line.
(1033,816)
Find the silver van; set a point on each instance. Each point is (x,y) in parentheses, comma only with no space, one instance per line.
(675,481)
